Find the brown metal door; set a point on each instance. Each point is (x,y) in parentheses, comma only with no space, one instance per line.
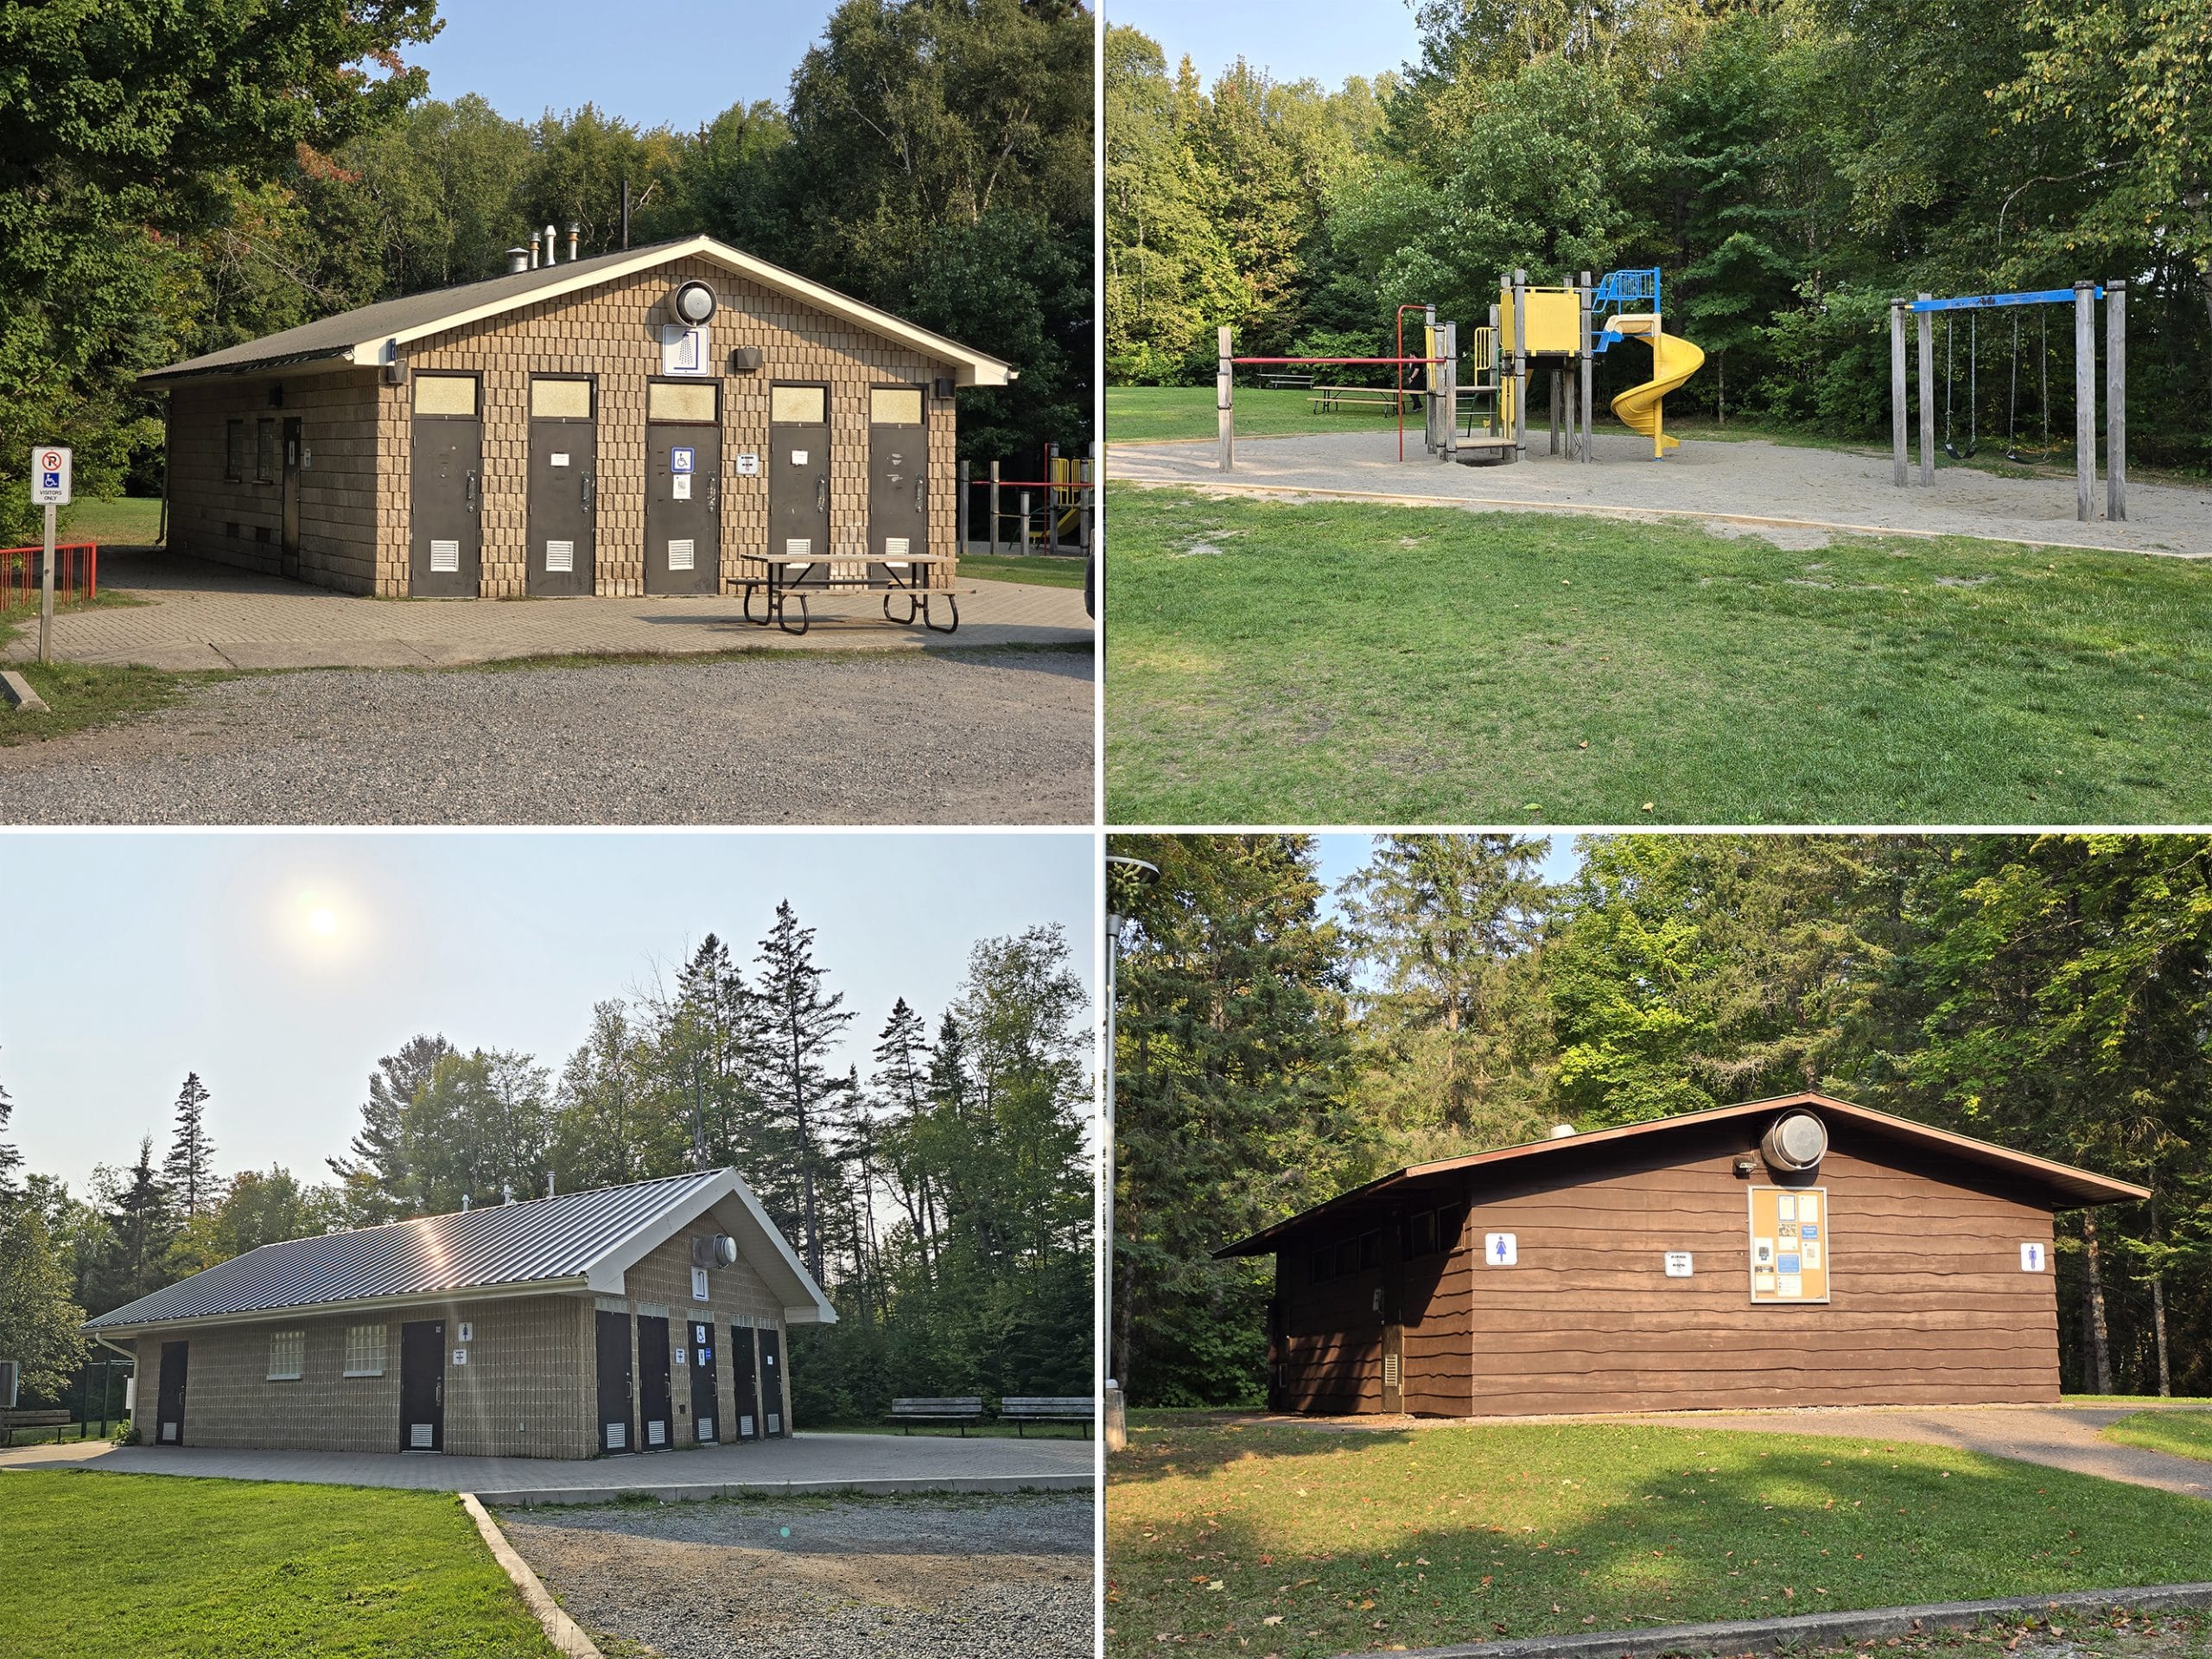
(291,564)
(704,1415)
(684,487)
(654,1417)
(422,1385)
(563,486)
(612,1337)
(772,1383)
(168,1410)
(447,489)
(898,479)
(1393,1367)
(799,480)
(745,1387)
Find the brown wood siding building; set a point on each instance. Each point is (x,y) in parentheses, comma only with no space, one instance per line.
(1387,1300)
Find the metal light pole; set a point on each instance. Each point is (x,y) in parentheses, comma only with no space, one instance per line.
(1116,1431)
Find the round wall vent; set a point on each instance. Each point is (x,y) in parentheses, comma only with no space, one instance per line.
(1797,1141)
(725,1250)
(692,304)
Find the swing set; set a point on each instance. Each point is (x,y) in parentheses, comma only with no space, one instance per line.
(2084,296)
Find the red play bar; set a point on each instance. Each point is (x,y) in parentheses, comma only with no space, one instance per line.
(1335,360)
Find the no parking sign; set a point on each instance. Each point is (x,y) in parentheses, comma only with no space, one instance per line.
(50,475)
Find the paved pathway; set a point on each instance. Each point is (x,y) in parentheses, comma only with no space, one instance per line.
(198,616)
(865,1462)
(1795,495)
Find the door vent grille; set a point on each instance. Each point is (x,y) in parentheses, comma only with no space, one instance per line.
(418,1437)
(560,558)
(445,557)
(1389,1371)
(680,555)
(618,1436)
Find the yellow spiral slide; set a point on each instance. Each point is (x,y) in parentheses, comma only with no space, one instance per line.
(1674,360)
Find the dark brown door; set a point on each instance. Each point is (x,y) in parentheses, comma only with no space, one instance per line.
(613,1336)
(291,565)
(799,480)
(771,1382)
(744,1384)
(652,1382)
(703,1411)
(169,1412)
(422,1386)
(684,487)
(1393,1367)
(563,486)
(447,492)
(898,479)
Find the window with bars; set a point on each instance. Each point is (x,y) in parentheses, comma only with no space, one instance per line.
(234,451)
(288,1355)
(365,1351)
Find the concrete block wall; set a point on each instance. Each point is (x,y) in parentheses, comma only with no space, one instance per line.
(338,480)
(613,331)
(737,1296)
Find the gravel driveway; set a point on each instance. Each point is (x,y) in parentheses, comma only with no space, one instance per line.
(983,737)
(890,1578)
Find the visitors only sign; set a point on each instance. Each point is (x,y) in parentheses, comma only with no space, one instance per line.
(49,476)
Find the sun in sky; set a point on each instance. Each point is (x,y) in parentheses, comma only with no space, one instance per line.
(320,913)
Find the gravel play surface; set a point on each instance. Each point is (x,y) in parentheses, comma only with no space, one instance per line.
(987,737)
(891,1579)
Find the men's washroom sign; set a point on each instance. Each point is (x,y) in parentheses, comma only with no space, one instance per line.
(1790,1244)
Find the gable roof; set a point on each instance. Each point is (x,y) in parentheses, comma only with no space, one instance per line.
(577,1242)
(2060,1185)
(368,335)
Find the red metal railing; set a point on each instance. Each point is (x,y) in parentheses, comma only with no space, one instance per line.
(76,573)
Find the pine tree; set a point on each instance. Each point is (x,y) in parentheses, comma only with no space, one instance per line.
(144,1224)
(900,1086)
(799,1025)
(376,1177)
(10,1159)
(189,1169)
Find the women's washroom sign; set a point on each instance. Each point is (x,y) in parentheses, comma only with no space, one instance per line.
(1789,1244)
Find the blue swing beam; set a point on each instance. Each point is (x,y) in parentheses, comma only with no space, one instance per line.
(1980,302)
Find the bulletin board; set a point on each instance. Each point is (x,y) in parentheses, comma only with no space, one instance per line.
(1792,1253)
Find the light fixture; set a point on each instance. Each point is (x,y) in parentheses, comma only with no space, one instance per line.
(941,389)
(746,359)
(692,304)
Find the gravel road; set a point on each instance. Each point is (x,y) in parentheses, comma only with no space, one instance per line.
(984,737)
(888,1577)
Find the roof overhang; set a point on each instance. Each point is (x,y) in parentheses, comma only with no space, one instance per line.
(2065,1186)
(759,1241)
(572,1283)
(970,367)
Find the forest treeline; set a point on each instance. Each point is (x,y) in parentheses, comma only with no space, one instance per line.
(941,1194)
(1277,1043)
(1791,165)
(175,180)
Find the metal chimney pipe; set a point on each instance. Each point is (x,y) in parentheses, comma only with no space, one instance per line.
(575,230)
(548,244)
(625,214)
(533,250)
(549,1183)
(464,1203)
(518,259)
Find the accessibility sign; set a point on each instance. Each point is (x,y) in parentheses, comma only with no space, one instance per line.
(50,475)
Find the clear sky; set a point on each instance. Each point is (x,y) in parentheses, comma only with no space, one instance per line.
(137,957)
(677,65)
(1325,41)
(1342,854)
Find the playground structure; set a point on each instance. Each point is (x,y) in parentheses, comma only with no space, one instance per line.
(2084,296)
(1564,328)
(1052,515)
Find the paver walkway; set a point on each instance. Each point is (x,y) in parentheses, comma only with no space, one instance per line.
(868,1462)
(198,616)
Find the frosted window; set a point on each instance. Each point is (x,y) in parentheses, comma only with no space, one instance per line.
(798,405)
(445,394)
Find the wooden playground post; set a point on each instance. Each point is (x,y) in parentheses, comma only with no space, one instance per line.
(1552,412)
(2116,400)
(1896,393)
(1224,410)
(993,506)
(1083,504)
(960,512)
(1052,498)
(1447,394)
(2085,402)
(1927,394)
(1588,365)
(1497,379)
(1520,364)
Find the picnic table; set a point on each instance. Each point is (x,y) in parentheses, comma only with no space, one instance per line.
(907,577)
(1327,400)
(1287,379)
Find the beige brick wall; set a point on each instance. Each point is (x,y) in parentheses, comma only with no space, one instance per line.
(737,1296)
(525,1391)
(339,515)
(613,331)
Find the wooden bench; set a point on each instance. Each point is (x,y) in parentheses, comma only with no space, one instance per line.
(1021,1410)
(906,578)
(1280,381)
(23,1417)
(963,1409)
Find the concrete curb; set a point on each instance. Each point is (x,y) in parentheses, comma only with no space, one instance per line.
(683,1492)
(565,1634)
(1815,1630)
(17,691)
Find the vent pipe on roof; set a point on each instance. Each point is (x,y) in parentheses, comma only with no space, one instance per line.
(533,250)
(625,213)
(575,230)
(464,1203)
(548,244)
(1562,1131)
(549,1183)
(518,259)
(506,1192)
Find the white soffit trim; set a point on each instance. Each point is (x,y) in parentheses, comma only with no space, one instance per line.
(973,368)
(606,1275)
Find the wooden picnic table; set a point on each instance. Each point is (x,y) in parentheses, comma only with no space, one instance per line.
(1327,400)
(1280,380)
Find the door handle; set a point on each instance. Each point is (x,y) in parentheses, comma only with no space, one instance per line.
(590,482)
(919,486)
(714,491)
(822,494)
(471,498)
(440,1388)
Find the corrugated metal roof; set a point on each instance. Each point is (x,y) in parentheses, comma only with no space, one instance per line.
(415,315)
(2059,1186)
(546,1239)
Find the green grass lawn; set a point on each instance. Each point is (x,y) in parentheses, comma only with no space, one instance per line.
(101,1565)
(1042,568)
(1270,662)
(1301,1542)
(119,521)
(1145,414)
(2184,1434)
